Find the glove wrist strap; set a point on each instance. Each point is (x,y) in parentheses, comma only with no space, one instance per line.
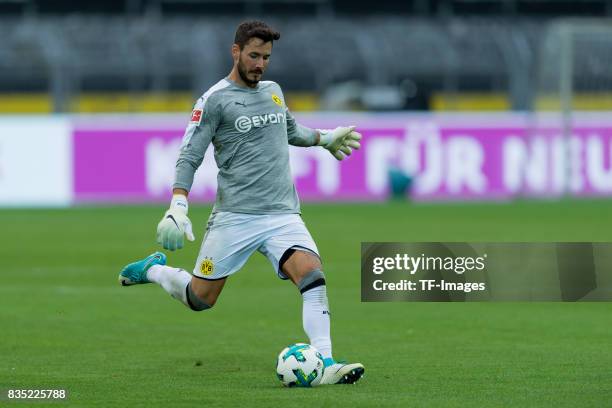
(179,202)
(324,137)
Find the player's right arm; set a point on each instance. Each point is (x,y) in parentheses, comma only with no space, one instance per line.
(199,133)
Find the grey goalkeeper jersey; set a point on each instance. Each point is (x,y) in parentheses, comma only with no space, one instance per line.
(250,130)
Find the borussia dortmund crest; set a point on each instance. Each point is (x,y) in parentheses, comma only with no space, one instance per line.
(277,100)
(207,267)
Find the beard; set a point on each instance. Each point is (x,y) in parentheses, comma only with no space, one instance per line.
(244,75)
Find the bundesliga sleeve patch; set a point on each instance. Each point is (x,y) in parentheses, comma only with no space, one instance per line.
(196,116)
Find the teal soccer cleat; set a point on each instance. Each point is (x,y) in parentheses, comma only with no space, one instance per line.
(136,272)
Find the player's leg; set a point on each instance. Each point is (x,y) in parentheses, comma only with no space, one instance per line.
(221,255)
(194,293)
(304,269)
(294,255)
(203,294)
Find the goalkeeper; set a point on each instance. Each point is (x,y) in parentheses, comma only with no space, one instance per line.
(257,207)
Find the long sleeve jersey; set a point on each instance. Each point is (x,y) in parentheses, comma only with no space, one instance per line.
(250,129)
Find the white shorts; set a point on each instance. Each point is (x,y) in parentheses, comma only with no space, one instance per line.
(231,238)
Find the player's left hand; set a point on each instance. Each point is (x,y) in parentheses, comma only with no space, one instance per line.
(341,141)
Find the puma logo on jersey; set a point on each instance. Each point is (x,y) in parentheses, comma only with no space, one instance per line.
(245,123)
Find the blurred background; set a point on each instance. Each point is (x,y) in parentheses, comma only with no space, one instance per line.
(539,69)
(441,55)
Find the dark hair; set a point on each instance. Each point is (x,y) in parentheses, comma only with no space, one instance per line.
(254,29)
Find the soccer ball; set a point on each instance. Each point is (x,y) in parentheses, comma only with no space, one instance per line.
(300,365)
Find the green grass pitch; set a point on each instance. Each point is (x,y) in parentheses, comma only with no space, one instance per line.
(66,323)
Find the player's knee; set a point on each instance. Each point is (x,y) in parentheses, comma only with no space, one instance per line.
(311,280)
(196,303)
(296,264)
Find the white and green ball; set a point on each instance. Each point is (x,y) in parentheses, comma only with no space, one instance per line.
(300,365)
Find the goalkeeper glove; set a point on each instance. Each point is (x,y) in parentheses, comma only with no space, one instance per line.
(341,141)
(175,224)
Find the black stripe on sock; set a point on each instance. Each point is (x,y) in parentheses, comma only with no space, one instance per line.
(313,284)
(188,297)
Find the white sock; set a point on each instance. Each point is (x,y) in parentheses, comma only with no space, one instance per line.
(173,280)
(315,317)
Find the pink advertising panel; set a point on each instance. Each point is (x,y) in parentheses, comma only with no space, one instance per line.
(449,157)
